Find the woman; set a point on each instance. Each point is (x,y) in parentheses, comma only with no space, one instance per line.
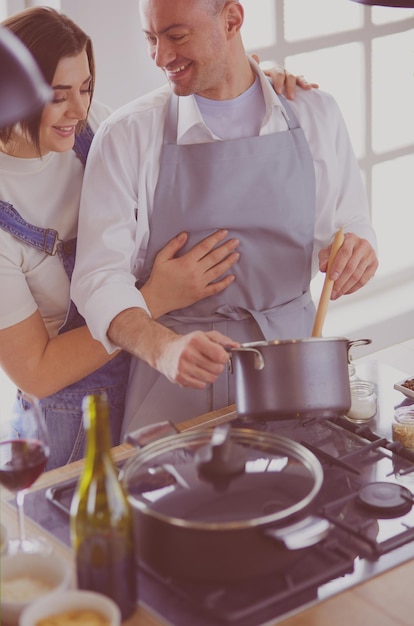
(43,350)
(45,347)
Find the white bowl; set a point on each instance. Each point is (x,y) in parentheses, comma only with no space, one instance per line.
(405,390)
(53,571)
(72,600)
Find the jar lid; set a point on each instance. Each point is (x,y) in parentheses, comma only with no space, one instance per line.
(247,479)
(405,414)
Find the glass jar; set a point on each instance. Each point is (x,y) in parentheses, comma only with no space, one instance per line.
(403,426)
(363,401)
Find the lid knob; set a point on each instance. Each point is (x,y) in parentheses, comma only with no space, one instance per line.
(221,458)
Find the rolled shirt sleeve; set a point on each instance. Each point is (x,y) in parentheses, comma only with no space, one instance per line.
(112,231)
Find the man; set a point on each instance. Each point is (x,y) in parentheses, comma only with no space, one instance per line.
(222,151)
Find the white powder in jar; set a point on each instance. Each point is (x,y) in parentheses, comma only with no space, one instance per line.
(363,401)
(23,589)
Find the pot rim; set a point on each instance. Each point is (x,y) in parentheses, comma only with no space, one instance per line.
(276,342)
(240,435)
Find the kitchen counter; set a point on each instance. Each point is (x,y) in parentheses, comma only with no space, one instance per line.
(385,600)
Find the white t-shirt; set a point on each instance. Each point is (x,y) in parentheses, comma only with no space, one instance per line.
(46,193)
(122,173)
(235,118)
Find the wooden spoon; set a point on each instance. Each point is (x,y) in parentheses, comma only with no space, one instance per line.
(327,286)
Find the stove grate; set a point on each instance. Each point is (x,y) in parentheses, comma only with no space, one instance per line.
(256,601)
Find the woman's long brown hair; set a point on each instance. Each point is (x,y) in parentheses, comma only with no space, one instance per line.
(50,36)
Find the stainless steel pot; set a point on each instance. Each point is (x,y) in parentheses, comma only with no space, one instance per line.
(296,377)
(223,505)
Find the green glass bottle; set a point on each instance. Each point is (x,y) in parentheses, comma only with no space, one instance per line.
(101,518)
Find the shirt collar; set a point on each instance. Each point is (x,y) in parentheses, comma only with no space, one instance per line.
(191,127)
(272,100)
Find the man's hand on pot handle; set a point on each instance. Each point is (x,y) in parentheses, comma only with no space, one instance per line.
(192,360)
(196,359)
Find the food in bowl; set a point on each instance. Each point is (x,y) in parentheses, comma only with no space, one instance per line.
(74,607)
(409,384)
(27,587)
(26,578)
(85,617)
(406,386)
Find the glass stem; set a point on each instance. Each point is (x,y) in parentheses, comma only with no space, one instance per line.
(20,511)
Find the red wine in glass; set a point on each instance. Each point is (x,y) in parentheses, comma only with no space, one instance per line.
(21,463)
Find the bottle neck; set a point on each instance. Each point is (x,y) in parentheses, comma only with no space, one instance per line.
(96,423)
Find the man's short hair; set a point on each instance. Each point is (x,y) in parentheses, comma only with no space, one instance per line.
(215,6)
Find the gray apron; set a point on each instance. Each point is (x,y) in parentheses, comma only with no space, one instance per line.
(262,189)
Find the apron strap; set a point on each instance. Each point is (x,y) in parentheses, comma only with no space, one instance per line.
(291,119)
(238,313)
(82,144)
(171,120)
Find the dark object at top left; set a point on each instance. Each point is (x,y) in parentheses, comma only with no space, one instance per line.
(23,91)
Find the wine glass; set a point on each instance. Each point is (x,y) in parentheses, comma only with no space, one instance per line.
(21,463)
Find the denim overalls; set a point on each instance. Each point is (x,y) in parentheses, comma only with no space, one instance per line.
(63,410)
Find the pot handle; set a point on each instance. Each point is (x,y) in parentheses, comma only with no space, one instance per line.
(357,342)
(258,357)
(302,534)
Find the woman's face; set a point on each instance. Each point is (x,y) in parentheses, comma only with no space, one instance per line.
(71,98)
(71,87)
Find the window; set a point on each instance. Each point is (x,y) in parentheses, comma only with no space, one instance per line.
(8,7)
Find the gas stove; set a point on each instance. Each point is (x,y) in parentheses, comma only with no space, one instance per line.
(367,497)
